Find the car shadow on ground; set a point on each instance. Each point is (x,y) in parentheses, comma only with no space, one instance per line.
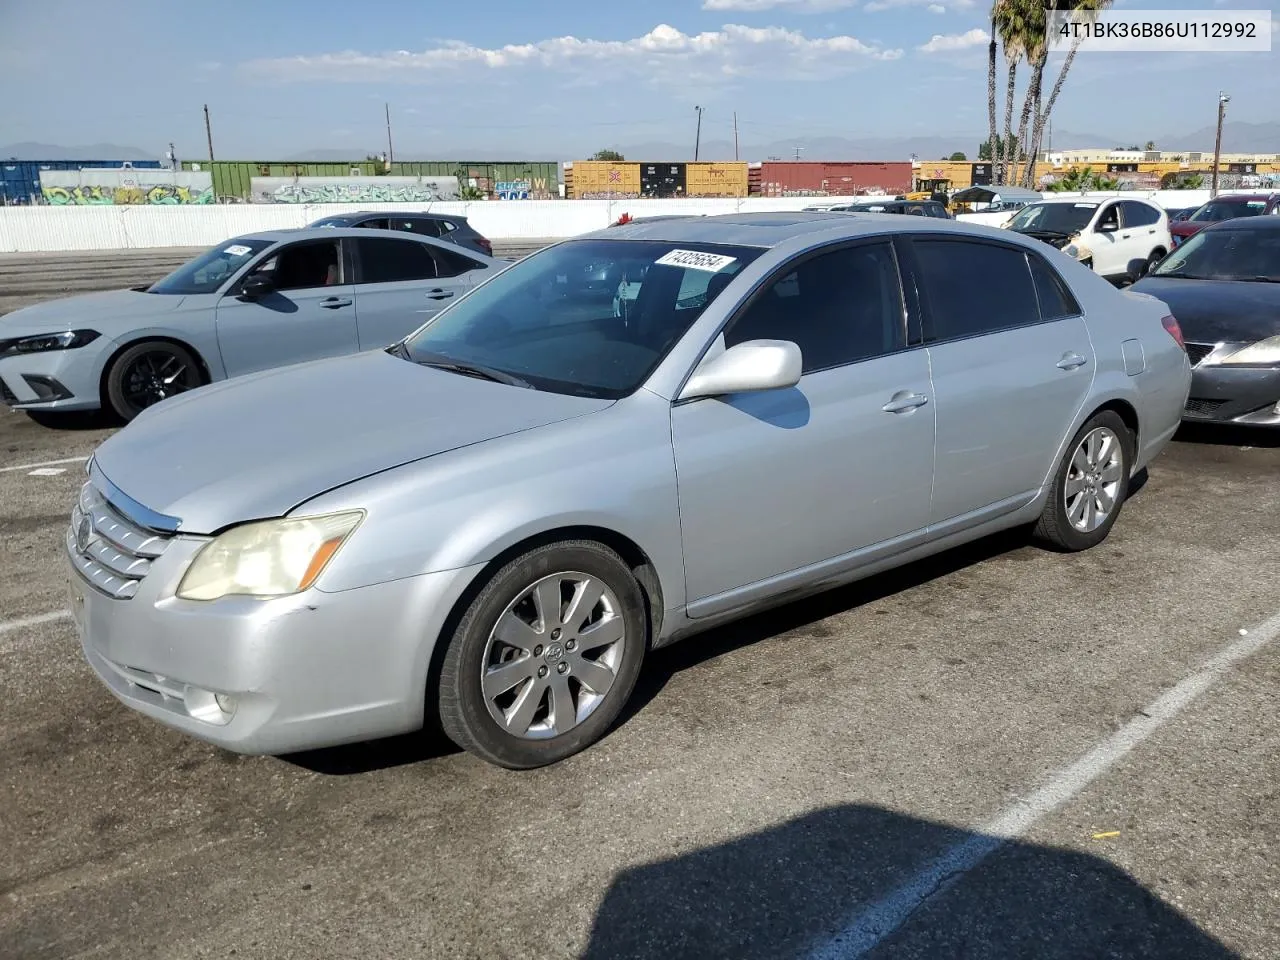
(73,420)
(1227,435)
(840,872)
(663,664)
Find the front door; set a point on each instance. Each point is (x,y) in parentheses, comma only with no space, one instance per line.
(309,315)
(1110,254)
(401,284)
(775,482)
(1012,363)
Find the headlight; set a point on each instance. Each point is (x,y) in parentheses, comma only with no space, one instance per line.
(1071,250)
(48,341)
(1263,353)
(272,558)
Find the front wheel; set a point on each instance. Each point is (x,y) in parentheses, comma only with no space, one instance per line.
(1090,485)
(147,373)
(545,657)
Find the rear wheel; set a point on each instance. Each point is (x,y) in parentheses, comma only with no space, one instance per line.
(1156,256)
(147,373)
(545,657)
(1089,486)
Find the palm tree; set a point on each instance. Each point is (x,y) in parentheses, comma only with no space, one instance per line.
(1084,11)
(1082,181)
(1014,24)
(992,133)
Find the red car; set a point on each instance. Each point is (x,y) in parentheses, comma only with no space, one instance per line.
(1224,208)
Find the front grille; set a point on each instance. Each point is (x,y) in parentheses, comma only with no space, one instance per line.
(6,394)
(1203,408)
(109,550)
(1198,351)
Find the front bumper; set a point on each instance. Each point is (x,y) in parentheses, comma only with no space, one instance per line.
(297,673)
(56,379)
(1249,396)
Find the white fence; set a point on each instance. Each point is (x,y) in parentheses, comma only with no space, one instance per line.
(39,229)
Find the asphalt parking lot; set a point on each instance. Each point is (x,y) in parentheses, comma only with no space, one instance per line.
(1001,752)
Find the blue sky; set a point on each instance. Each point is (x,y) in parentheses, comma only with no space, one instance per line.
(557,77)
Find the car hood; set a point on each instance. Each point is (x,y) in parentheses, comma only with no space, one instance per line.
(87,310)
(1187,228)
(257,446)
(1209,311)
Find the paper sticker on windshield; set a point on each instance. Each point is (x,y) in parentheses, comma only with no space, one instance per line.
(695,260)
(1088,206)
(237,250)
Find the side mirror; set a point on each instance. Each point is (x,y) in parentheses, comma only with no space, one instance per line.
(1109,226)
(747,367)
(256,285)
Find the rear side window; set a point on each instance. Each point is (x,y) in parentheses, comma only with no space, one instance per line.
(424,226)
(452,264)
(1139,214)
(376,224)
(975,288)
(389,261)
(1056,301)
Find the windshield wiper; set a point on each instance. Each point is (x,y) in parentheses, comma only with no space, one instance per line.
(1176,275)
(439,362)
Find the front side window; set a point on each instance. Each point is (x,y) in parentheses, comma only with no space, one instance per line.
(975,288)
(209,271)
(1109,219)
(585,317)
(389,261)
(838,308)
(1225,209)
(304,266)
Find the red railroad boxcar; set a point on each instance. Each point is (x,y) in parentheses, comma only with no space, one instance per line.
(815,178)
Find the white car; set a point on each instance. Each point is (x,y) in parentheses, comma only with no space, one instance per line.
(1120,239)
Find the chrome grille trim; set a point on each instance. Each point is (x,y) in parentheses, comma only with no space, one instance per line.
(119,553)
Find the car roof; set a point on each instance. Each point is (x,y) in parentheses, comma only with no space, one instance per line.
(395,213)
(308,233)
(1260,224)
(769,230)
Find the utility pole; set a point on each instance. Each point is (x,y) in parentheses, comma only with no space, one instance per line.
(735,135)
(799,150)
(390,153)
(1223,100)
(208,131)
(697,137)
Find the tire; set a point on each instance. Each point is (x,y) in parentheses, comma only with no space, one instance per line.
(1156,256)
(540,692)
(146,373)
(1067,530)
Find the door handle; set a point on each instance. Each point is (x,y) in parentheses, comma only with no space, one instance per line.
(439,294)
(905,402)
(1124,236)
(332,303)
(1070,361)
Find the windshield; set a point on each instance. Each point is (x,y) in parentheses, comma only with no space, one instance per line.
(1060,218)
(207,272)
(1225,255)
(330,222)
(586,317)
(1216,210)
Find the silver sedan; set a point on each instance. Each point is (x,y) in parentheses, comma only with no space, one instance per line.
(495,520)
(252,303)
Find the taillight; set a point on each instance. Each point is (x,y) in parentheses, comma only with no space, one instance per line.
(1175,331)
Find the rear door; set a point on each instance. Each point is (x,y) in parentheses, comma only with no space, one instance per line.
(403,283)
(309,315)
(1011,364)
(1140,230)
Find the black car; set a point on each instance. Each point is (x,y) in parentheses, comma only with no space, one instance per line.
(1223,286)
(445,226)
(1178,214)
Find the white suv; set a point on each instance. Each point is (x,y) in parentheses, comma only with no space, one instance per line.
(1119,239)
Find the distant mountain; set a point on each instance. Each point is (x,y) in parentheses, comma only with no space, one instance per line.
(1237,137)
(92,151)
(329,156)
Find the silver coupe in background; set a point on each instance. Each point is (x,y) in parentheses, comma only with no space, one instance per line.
(493,521)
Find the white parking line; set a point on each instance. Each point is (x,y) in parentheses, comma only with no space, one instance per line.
(8,626)
(47,463)
(870,928)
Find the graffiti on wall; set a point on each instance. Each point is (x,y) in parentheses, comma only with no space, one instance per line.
(110,196)
(113,187)
(353,189)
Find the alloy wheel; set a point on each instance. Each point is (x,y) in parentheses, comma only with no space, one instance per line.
(1093,479)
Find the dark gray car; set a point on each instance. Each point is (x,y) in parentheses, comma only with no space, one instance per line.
(449,227)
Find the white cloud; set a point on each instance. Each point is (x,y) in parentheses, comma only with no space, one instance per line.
(948,43)
(875,6)
(937,8)
(662,53)
(757,6)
